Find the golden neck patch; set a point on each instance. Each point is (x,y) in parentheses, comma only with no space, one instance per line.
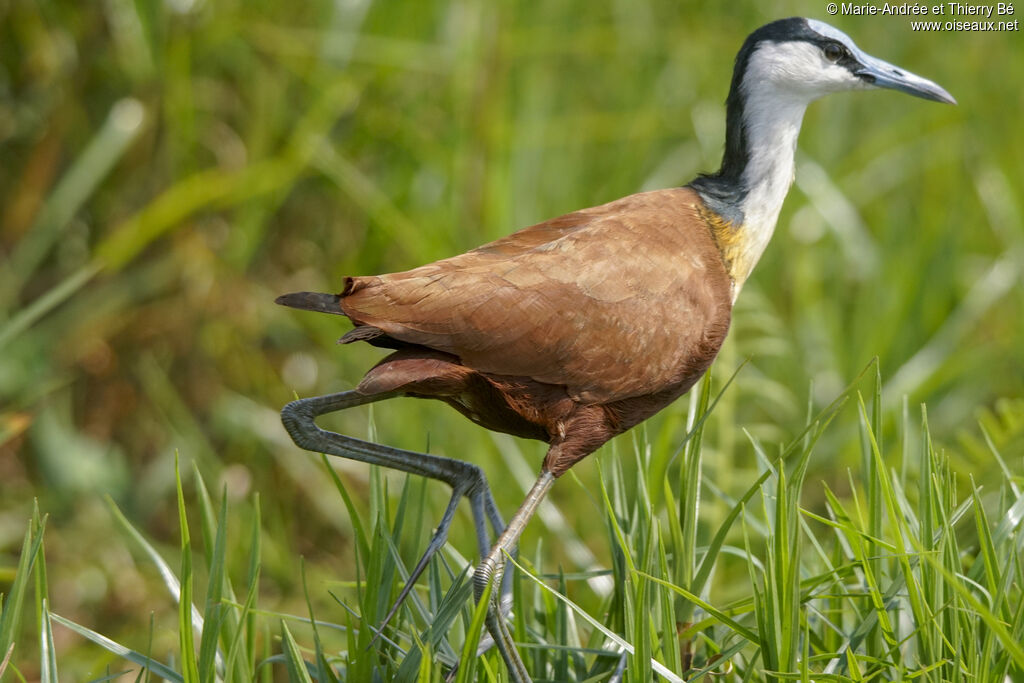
(733,243)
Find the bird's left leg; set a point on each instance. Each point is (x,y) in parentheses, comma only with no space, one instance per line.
(466,479)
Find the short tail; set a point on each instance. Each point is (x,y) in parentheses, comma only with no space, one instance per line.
(312,301)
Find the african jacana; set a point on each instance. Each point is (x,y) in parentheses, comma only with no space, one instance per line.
(574,330)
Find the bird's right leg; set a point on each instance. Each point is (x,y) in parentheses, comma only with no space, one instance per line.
(492,568)
(466,479)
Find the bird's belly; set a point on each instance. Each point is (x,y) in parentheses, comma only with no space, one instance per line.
(492,410)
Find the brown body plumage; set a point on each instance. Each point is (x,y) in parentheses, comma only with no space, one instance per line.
(570,331)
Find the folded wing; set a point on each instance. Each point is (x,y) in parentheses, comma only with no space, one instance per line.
(612,302)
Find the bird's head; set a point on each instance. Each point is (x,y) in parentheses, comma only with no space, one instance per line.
(781,68)
(806,59)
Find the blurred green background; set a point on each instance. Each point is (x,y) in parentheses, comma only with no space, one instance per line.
(168,168)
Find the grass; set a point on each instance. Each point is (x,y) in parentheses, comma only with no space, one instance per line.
(907,578)
(170,168)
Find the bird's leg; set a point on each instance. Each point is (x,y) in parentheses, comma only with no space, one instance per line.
(484,506)
(492,568)
(465,478)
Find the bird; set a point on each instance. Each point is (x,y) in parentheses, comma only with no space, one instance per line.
(574,330)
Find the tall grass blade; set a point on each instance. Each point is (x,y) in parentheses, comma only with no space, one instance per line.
(109,645)
(167,574)
(13,602)
(186,636)
(297,672)
(214,619)
(323,670)
(47,649)
(468,659)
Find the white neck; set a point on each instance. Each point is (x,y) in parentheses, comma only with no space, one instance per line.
(777,87)
(772,124)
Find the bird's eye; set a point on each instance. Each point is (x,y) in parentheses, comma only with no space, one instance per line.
(834,51)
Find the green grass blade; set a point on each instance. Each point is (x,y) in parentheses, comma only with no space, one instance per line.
(214,616)
(167,574)
(467,660)
(47,649)
(10,617)
(244,637)
(715,613)
(109,645)
(186,636)
(689,500)
(324,672)
(362,540)
(297,672)
(992,574)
